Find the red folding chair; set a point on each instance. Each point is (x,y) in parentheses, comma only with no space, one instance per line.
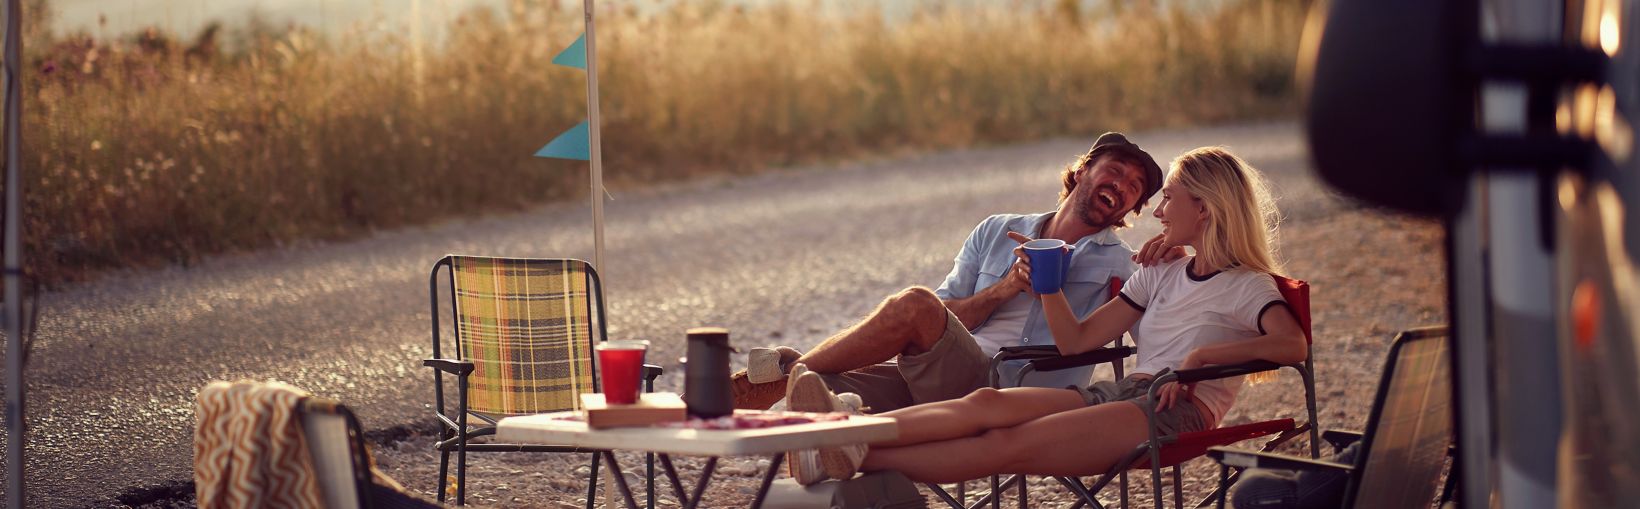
(1162,451)
(1170,451)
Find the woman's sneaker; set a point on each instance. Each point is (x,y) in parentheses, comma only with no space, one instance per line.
(806,392)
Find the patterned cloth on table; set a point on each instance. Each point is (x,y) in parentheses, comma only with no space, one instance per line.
(249,448)
(525,325)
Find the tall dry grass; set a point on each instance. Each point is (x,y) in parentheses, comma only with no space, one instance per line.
(152,149)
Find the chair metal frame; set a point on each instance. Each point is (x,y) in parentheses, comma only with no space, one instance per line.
(455,433)
(357,454)
(1240,460)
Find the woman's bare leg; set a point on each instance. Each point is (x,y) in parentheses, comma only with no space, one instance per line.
(1079,442)
(980,410)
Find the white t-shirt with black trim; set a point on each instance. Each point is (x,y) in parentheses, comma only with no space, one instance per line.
(1182,312)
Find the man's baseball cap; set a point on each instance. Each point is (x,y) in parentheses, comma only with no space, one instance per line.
(1110,143)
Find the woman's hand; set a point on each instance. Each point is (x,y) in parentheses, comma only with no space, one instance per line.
(1174,393)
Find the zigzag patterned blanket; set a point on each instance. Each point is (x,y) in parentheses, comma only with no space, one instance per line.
(249,448)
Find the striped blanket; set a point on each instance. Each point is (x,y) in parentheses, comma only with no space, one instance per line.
(249,448)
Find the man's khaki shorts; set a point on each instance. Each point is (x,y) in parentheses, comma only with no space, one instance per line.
(954,367)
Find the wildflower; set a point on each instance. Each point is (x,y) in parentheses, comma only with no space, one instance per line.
(49,67)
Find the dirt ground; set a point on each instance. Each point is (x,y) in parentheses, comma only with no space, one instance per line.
(1371,273)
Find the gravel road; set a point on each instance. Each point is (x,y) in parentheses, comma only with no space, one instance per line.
(783,257)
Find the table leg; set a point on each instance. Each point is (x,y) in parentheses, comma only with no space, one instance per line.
(649,476)
(672,475)
(700,487)
(768,479)
(620,480)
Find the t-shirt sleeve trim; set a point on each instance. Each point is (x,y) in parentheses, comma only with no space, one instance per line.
(1129,300)
(1260,317)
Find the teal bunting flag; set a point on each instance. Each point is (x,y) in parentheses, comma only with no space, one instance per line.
(575,55)
(573,144)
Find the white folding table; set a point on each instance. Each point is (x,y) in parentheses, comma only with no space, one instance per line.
(558,429)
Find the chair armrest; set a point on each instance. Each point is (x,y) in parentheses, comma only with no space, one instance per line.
(452,366)
(1255,459)
(1340,438)
(651,372)
(1088,358)
(1224,371)
(1009,353)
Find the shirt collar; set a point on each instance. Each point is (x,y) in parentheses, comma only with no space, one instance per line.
(1105,237)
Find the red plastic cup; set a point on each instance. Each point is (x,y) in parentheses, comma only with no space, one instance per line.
(621,363)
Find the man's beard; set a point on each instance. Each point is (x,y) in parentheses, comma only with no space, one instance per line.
(1085,212)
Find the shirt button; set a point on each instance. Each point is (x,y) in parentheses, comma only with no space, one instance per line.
(1025,340)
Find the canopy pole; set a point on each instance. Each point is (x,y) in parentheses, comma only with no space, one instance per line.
(12,243)
(595,139)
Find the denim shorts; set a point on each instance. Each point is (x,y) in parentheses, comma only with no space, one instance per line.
(1181,417)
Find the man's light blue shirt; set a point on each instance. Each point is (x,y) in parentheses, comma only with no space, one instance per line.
(988,254)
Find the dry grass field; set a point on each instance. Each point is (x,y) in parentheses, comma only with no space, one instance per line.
(160,148)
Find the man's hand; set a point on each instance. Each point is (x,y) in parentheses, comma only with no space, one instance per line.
(1020,276)
(1156,250)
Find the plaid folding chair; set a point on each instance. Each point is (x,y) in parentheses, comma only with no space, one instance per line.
(1172,450)
(1408,438)
(524,335)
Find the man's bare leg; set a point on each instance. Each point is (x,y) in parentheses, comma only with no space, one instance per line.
(909,322)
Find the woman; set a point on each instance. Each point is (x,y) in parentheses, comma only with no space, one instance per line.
(1219,306)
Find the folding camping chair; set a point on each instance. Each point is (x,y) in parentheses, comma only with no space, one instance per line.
(1030,359)
(1408,437)
(249,444)
(524,334)
(342,464)
(1170,450)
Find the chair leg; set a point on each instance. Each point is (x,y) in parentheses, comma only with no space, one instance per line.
(461,473)
(443,474)
(592,483)
(1123,477)
(1022,502)
(1178,488)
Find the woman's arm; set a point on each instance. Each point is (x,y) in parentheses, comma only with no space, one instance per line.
(1105,324)
(1283,343)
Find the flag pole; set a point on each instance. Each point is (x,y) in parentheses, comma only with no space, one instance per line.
(12,292)
(593,138)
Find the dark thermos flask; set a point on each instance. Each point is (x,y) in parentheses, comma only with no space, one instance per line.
(706,373)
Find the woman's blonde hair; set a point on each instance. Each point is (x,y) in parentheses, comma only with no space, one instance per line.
(1242,217)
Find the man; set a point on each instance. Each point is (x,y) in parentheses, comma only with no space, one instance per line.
(943,340)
